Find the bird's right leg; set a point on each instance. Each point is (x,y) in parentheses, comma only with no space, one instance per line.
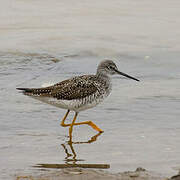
(71,127)
(90,123)
(64,118)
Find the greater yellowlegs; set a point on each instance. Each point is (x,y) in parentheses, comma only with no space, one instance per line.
(79,93)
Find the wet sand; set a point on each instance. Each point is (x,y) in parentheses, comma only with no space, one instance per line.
(86,174)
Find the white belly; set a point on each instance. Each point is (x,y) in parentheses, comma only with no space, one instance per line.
(74,105)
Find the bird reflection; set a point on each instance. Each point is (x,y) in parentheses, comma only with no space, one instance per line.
(71,156)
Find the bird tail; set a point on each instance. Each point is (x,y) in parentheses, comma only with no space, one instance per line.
(25,90)
(35,91)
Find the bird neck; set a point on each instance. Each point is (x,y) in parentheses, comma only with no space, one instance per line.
(102,74)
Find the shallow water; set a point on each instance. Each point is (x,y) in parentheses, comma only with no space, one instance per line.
(45,45)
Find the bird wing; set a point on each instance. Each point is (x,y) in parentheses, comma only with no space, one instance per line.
(75,88)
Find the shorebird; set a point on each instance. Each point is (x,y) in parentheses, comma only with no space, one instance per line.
(79,93)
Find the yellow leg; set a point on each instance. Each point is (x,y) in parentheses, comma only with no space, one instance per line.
(64,118)
(71,127)
(90,123)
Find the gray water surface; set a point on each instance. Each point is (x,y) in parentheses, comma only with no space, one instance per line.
(42,43)
(140,119)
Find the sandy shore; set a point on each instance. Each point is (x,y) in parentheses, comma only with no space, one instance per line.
(86,174)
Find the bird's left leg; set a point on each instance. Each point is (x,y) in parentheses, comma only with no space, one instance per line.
(64,118)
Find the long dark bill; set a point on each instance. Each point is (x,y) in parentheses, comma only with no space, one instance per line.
(126,75)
